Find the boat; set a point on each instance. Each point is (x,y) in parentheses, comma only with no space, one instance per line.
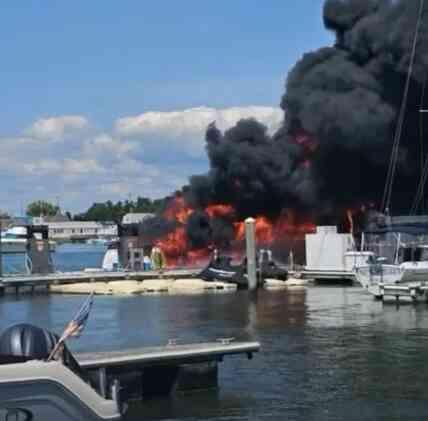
(220,268)
(401,263)
(32,388)
(98,241)
(111,257)
(15,240)
(100,385)
(400,254)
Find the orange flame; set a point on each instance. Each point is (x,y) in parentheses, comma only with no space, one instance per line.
(176,247)
(220,211)
(177,210)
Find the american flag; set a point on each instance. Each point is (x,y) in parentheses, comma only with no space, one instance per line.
(76,325)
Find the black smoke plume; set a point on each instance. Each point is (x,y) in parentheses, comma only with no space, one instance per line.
(340,111)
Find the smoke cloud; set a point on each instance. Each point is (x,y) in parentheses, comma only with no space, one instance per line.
(340,109)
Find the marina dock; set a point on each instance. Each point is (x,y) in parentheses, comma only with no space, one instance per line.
(33,283)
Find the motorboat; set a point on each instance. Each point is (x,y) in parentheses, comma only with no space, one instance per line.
(111,257)
(98,242)
(221,268)
(100,385)
(410,268)
(32,388)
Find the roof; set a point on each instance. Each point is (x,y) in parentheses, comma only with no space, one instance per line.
(135,218)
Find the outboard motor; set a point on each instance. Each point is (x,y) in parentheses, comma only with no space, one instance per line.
(27,341)
(24,342)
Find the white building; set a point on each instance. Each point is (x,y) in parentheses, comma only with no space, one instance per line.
(81,230)
(136,218)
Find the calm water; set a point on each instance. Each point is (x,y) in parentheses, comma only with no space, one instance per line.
(68,257)
(327,353)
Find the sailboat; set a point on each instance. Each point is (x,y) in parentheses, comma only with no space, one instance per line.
(403,239)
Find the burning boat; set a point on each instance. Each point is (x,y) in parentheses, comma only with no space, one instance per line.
(221,269)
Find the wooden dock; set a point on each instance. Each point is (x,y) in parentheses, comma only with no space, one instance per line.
(161,370)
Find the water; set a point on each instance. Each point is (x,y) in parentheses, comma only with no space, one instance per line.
(328,353)
(67,257)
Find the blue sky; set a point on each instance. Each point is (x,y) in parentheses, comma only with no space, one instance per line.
(101,62)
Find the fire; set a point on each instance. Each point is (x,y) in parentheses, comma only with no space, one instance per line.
(220,211)
(177,210)
(263,230)
(307,141)
(177,248)
(174,243)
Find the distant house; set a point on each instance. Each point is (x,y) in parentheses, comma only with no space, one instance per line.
(43,220)
(8,222)
(80,230)
(136,218)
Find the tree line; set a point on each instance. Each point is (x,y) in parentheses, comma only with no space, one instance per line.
(107,211)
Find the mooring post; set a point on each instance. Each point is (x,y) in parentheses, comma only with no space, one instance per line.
(250,237)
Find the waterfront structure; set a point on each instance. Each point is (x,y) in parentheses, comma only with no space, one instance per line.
(81,230)
(331,256)
(136,218)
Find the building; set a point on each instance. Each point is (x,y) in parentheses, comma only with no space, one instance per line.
(81,230)
(136,218)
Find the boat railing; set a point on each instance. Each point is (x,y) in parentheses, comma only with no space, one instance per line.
(378,273)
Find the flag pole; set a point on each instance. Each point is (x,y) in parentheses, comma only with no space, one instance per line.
(76,325)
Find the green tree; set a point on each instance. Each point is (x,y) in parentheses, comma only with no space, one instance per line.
(42,208)
(110,211)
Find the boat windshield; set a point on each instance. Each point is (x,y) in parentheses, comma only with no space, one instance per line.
(414,254)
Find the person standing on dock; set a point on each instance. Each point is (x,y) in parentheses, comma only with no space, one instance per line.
(158,259)
(147,263)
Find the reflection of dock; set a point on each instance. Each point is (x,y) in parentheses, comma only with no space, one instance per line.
(35,282)
(162,370)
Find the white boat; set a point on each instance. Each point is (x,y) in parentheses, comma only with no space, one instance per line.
(410,269)
(98,241)
(15,239)
(111,259)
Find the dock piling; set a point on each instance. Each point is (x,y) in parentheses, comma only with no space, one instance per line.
(250,238)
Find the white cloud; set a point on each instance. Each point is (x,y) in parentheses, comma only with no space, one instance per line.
(185,129)
(42,167)
(104,144)
(75,167)
(194,121)
(151,155)
(56,127)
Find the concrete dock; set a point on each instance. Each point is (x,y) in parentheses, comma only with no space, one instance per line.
(31,283)
(161,370)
